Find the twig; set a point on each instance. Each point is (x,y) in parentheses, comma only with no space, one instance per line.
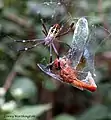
(14,18)
(11,75)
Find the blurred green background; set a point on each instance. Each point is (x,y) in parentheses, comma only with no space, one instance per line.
(28,94)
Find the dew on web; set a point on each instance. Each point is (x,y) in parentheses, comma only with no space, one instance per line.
(46,9)
(53,11)
(59,3)
(46,3)
(52,16)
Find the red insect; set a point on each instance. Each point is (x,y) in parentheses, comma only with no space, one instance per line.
(65,70)
(71,75)
(62,71)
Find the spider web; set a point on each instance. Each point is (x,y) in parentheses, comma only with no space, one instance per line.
(56,11)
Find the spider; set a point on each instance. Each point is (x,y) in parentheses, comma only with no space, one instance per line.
(51,36)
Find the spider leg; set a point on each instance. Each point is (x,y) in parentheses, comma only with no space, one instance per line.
(50,53)
(28,48)
(57,55)
(26,41)
(63,43)
(45,31)
(66,32)
(50,61)
(54,49)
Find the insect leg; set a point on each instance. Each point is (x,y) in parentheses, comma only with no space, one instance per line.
(50,57)
(59,67)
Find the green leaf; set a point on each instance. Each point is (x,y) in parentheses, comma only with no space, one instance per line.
(28,112)
(8,106)
(50,85)
(23,88)
(109,115)
(106,5)
(64,117)
(94,113)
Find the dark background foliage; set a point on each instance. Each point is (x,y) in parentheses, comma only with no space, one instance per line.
(29,93)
